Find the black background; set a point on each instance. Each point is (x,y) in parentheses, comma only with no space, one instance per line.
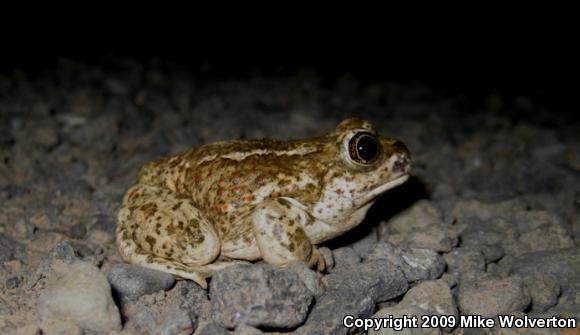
(517,54)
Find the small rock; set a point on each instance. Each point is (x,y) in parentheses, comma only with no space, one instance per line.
(81,293)
(64,251)
(485,237)
(13,282)
(101,133)
(258,295)
(544,290)
(189,296)
(212,329)
(468,210)
(309,277)
(449,279)
(417,264)
(379,279)
(328,312)
(400,312)
(78,231)
(441,239)
(492,252)
(432,296)
(489,297)
(345,256)
(176,322)
(364,246)
(141,319)
(132,281)
(546,237)
(532,219)
(563,264)
(395,239)
(465,263)
(484,232)
(421,215)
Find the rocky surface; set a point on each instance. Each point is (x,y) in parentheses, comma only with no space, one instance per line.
(489,223)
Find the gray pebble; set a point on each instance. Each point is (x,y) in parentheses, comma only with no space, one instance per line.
(465,263)
(441,239)
(432,296)
(492,252)
(260,296)
(364,245)
(176,322)
(189,296)
(417,264)
(143,318)
(485,232)
(101,133)
(475,211)
(42,131)
(489,297)
(563,264)
(421,215)
(13,282)
(63,251)
(546,237)
(309,277)
(544,290)
(486,238)
(379,279)
(345,256)
(80,293)
(327,314)
(132,281)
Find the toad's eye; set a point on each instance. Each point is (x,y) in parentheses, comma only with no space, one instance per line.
(363,148)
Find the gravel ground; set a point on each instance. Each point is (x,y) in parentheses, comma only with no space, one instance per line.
(489,223)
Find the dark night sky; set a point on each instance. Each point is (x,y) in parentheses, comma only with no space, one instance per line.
(528,59)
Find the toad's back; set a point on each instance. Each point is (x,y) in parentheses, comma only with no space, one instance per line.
(227,179)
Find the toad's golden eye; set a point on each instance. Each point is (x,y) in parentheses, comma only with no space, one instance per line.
(363,148)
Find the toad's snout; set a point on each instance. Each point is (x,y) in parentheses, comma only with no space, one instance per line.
(402,162)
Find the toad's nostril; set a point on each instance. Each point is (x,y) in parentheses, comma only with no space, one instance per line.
(402,164)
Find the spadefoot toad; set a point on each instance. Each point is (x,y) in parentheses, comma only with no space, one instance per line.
(246,200)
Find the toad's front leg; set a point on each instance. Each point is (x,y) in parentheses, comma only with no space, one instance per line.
(278,228)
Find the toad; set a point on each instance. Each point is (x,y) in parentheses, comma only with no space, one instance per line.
(248,200)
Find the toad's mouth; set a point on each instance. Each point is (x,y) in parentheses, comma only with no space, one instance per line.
(384,187)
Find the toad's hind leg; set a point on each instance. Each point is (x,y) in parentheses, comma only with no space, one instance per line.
(162,230)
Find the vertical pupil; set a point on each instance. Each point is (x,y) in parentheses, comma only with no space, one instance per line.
(367,148)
